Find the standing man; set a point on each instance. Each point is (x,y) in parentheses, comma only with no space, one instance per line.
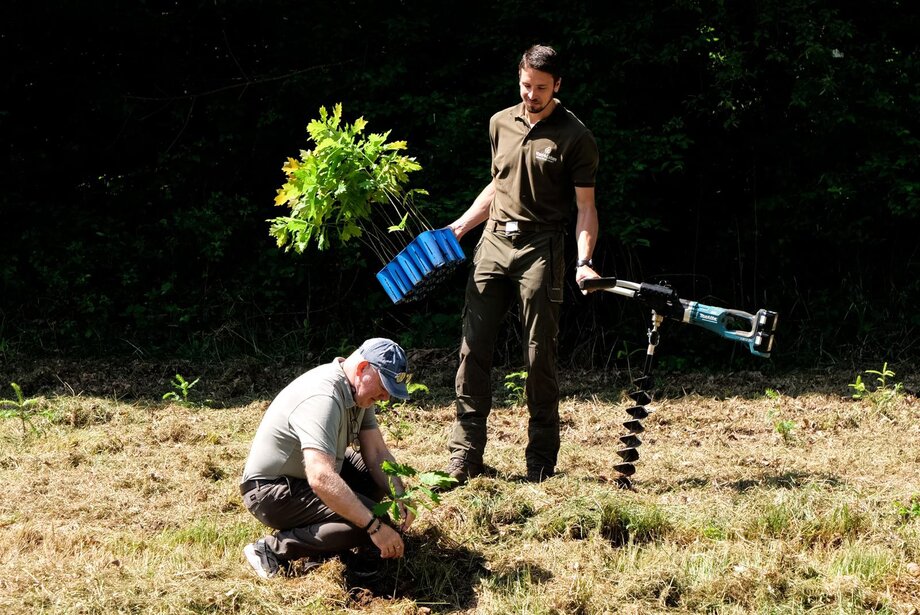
(543,161)
(313,472)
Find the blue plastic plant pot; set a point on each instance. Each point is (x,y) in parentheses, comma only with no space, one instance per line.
(428,241)
(449,244)
(408,266)
(389,285)
(399,277)
(418,257)
(440,246)
(427,260)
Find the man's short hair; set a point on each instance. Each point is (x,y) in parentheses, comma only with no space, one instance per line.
(543,58)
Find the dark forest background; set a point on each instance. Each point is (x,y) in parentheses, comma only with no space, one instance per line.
(753,154)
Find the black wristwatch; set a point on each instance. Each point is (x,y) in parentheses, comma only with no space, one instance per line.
(581,262)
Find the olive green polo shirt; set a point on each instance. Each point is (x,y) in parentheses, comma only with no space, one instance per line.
(316,411)
(537,169)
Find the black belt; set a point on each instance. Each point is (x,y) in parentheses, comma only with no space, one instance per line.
(522,227)
(248,485)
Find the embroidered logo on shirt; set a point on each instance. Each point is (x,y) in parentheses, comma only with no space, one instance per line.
(544,156)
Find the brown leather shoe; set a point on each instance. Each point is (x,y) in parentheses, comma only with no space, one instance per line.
(462,470)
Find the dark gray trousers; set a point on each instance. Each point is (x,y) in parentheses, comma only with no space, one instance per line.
(305,525)
(526,269)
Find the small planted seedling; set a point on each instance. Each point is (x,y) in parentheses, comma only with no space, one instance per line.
(21,408)
(181,392)
(909,511)
(785,428)
(516,385)
(390,413)
(884,392)
(423,493)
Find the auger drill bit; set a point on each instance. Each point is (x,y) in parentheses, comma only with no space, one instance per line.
(637,412)
(641,396)
(634,426)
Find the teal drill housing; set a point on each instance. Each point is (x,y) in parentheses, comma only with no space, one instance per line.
(755,330)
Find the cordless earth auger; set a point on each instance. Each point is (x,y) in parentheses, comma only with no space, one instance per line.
(755,330)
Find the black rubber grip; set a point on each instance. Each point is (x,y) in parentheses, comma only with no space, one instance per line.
(597,283)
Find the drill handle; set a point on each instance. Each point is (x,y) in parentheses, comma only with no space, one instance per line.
(611,285)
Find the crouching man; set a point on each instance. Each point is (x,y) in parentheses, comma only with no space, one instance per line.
(313,472)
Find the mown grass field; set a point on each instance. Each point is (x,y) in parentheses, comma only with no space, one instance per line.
(794,500)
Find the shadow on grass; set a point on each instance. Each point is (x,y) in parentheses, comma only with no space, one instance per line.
(786,480)
(521,574)
(694,482)
(437,572)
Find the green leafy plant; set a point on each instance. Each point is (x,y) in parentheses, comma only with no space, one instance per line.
(21,408)
(516,385)
(401,226)
(182,388)
(417,387)
(423,493)
(883,393)
(412,387)
(908,511)
(331,188)
(389,412)
(859,388)
(785,428)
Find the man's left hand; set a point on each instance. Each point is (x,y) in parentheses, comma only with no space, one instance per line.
(585,273)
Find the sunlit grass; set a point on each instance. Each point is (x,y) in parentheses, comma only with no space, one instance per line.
(121,508)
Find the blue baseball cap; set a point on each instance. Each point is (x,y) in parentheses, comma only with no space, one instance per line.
(390,360)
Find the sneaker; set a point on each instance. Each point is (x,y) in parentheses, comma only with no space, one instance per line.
(538,475)
(462,470)
(263,560)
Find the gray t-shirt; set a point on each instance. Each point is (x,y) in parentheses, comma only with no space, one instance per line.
(317,411)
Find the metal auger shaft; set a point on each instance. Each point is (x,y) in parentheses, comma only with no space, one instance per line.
(642,397)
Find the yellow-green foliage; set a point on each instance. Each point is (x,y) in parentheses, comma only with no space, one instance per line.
(332,187)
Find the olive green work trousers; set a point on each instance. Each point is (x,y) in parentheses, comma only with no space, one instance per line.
(526,268)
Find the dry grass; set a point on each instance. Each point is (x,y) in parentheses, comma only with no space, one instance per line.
(132,508)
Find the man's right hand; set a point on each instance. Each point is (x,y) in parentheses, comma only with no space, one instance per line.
(476,214)
(388,541)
